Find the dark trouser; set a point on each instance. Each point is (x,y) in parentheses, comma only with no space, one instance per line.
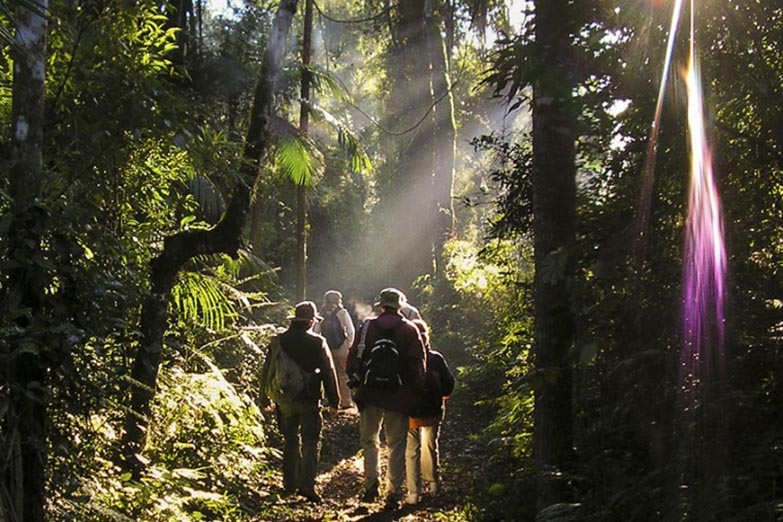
(300,455)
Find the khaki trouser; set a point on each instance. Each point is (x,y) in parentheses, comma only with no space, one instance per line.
(340,357)
(422,456)
(395,427)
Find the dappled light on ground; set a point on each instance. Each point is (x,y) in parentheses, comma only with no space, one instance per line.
(340,480)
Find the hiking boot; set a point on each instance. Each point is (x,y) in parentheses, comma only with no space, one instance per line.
(392,502)
(370,493)
(311,496)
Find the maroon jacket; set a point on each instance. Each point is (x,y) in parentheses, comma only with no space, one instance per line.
(413,356)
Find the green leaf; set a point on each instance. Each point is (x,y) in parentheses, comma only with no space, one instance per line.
(299,160)
(588,352)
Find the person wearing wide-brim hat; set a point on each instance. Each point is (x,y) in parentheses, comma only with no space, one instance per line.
(300,416)
(383,405)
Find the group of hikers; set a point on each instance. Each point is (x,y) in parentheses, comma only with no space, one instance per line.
(385,368)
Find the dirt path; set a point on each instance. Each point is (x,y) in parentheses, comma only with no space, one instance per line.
(340,479)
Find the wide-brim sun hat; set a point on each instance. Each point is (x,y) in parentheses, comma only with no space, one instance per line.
(391,298)
(306,311)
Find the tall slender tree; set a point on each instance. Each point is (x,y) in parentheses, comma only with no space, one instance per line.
(24,283)
(304,123)
(444,130)
(554,223)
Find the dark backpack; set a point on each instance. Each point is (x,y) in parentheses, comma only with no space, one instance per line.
(332,330)
(381,362)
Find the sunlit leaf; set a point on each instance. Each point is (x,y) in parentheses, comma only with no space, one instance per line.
(347,140)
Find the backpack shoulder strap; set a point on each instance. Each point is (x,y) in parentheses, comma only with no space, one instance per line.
(362,339)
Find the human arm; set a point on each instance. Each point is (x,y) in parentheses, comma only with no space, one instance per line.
(447,380)
(347,324)
(353,362)
(329,374)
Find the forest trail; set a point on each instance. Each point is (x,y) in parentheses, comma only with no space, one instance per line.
(340,475)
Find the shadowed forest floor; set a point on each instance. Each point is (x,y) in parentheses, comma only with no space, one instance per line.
(340,479)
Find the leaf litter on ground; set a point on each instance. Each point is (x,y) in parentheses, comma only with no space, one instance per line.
(341,470)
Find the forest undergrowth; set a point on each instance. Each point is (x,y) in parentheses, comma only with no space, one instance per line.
(340,477)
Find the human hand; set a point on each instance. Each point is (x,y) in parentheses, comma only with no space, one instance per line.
(269,408)
(333,411)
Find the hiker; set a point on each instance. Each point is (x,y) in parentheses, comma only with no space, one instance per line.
(386,363)
(422,452)
(409,311)
(338,330)
(300,415)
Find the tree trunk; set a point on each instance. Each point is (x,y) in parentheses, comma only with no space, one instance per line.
(444,132)
(406,193)
(225,237)
(554,204)
(179,15)
(24,423)
(301,189)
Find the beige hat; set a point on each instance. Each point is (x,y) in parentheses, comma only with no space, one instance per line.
(306,311)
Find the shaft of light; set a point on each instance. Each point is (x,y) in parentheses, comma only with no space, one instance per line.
(704,254)
(643,213)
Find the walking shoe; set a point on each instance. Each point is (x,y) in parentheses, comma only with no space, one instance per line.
(370,493)
(392,502)
(311,496)
(412,499)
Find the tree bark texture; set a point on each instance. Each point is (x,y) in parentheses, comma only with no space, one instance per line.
(304,123)
(444,131)
(23,478)
(225,237)
(554,208)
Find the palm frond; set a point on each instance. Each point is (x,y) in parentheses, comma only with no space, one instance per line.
(250,263)
(346,139)
(202,299)
(324,81)
(208,197)
(243,280)
(299,159)
(248,276)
